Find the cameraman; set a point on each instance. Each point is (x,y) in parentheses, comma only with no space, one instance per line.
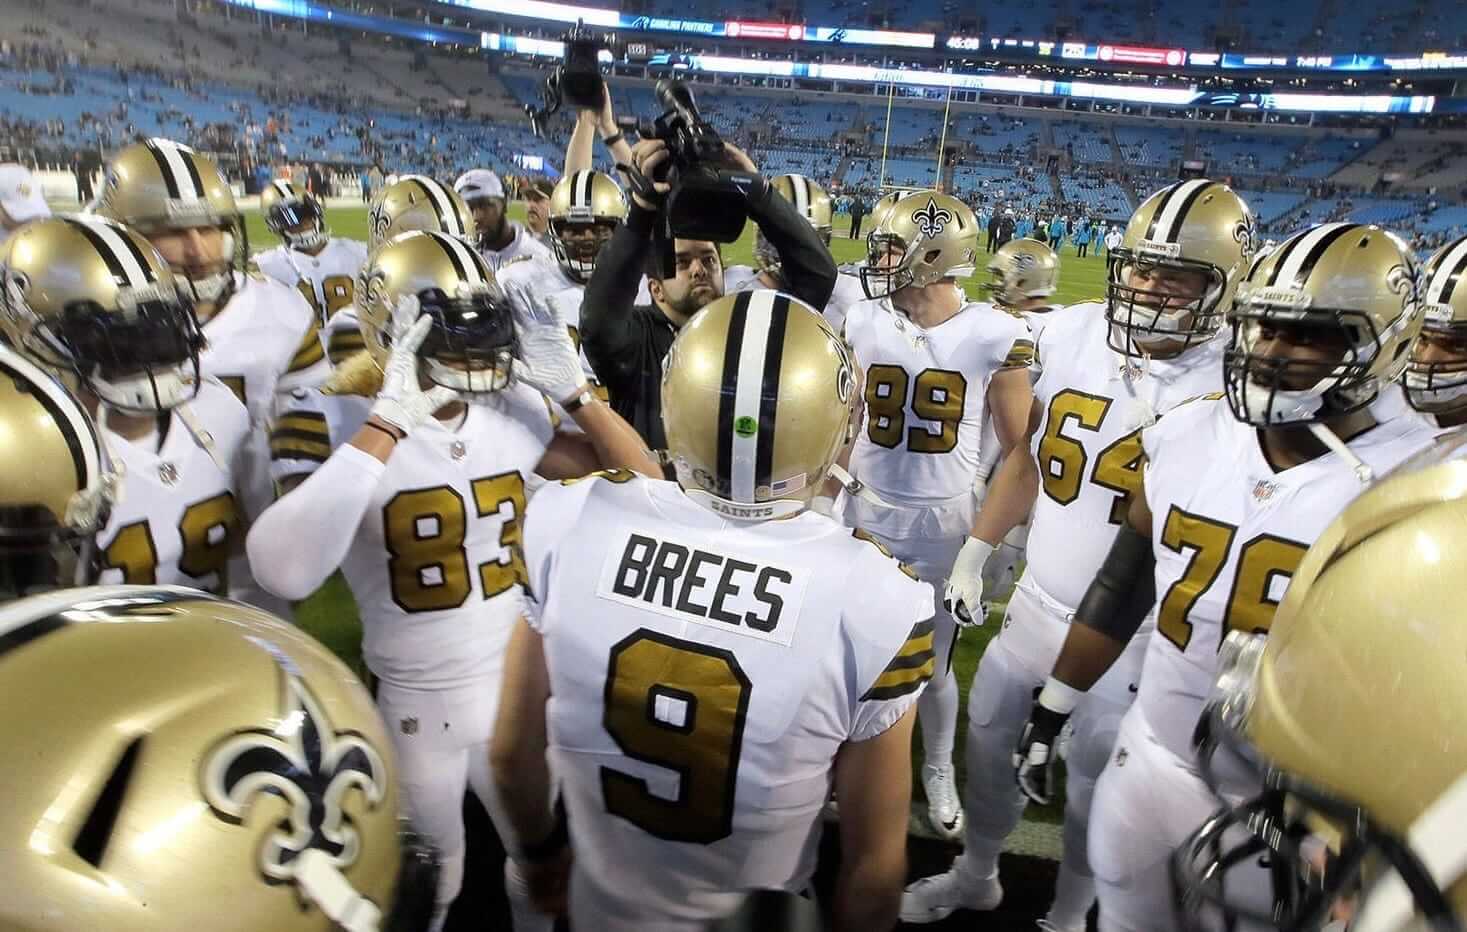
(626,342)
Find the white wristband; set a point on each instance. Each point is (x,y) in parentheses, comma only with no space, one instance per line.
(1060,697)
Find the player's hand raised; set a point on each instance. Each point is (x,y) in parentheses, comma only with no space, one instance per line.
(548,359)
(402,403)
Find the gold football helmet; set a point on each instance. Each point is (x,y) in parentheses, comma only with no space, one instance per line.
(586,207)
(1348,714)
(1021,269)
(812,203)
(286,206)
(1436,376)
(417,202)
(85,295)
(924,238)
(756,401)
(1196,226)
(883,206)
(56,486)
(159,186)
(1347,284)
(175,761)
(472,344)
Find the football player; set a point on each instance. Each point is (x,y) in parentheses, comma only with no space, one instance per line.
(91,298)
(322,267)
(934,364)
(1235,488)
(585,209)
(746,651)
(501,240)
(1346,713)
(423,477)
(412,202)
(814,205)
(175,761)
(1436,376)
(1107,370)
(56,482)
(260,337)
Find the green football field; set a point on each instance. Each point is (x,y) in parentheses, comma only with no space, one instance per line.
(330,614)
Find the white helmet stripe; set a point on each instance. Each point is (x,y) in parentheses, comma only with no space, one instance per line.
(62,404)
(283,189)
(1450,265)
(802,194)
(174,158)
(748,394)
(1296,259)
(122,255)
(443,204)
(1171,211)
(472,264)
(581,190)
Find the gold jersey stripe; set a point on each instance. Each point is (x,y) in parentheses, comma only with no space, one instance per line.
(309,352)
(1021,355)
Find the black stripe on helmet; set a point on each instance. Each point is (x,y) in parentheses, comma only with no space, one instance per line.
(729,387)
(779,313)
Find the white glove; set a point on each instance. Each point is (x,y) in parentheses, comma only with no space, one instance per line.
(401,402)
(1000,572)
(963,596)
(549,361)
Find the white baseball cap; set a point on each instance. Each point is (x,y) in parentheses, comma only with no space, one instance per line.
(478,182)
(20,194)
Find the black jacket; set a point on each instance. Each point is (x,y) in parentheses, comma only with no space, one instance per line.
(626,343)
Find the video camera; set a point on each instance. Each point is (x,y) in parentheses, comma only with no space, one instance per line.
(577,80)
(706,202)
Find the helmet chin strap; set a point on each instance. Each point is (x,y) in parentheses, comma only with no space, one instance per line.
(323,883)
(1330,439)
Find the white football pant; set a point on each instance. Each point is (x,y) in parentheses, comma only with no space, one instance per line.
(1013,667)
(1147,802)
(442,740)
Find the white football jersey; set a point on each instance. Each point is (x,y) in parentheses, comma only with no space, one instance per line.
(693,725)
(847,291)
(926,396)
(537,286)
(1229,532)
(177,518)
(1095,402)
(326,280)
(523,245)
(264,341)
(435,564)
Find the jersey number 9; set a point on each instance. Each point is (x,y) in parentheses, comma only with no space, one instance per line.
(681,706)
(208,529)
(937,395)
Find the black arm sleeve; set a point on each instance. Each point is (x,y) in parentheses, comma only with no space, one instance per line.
(611,334)
(806,265)
(1124,589)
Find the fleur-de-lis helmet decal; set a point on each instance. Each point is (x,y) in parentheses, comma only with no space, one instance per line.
(931,220)
(308,764)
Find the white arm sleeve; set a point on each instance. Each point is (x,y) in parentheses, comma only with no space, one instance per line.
(291,548)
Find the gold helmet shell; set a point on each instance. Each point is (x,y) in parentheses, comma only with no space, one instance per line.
(810,201)
(925,238)
(55,494)
(286,204)
(88,296)
(159,185)
(1020,270)
(417,202)
(584,198)
(1436,377)
(1351,705)
(883,206)
(472,344)
(1351,284)
(181,759)
(1197,226)
(757,395)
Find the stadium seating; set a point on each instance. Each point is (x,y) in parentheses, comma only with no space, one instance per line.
(1149,146)
(1089,142)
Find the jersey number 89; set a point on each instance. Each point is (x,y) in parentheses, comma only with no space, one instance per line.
(937,395)
(425,531)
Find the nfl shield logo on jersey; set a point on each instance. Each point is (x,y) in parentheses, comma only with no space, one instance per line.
(1263,490)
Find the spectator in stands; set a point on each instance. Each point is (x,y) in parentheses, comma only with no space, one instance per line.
(626,342)
(21,200)
(858,213)
(537,209)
